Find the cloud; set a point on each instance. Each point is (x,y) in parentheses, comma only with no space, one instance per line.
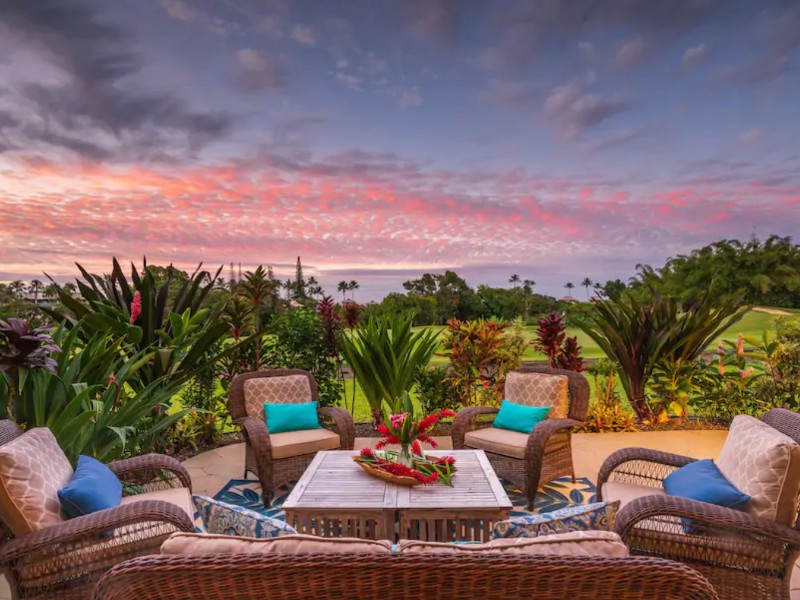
(613,139)
(631,53)
(751,135)
(410,97)
(258,72)
(182,10)
(694,55)
(303,34)
(573,111)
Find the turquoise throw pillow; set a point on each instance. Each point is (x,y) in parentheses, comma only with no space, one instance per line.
(93,487)
(291,417)
(518,417)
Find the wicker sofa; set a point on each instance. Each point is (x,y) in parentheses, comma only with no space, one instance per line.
(65,558)
(546,453)
(744,554)
(280,458)
(369,576)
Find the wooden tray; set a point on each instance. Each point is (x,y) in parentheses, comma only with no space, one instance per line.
(389,477)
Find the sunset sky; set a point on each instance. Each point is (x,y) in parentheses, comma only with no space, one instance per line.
(379,139)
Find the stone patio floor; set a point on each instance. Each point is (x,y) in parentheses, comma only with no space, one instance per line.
(211,470)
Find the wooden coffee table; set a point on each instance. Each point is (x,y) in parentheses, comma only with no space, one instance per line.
(336,498)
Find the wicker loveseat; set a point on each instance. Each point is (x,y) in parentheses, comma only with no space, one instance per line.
(544,454)
(280,458)
(743,554)
(401,577)
(65,558)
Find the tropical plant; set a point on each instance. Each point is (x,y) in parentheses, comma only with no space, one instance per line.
(641,333)
(93,401)
(606,412)
(385,356)
(435,390)
(551,339)
(674,384)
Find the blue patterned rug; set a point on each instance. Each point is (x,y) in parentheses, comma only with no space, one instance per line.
(559,493)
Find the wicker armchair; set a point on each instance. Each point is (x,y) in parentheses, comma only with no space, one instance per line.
(278,459)
(546,453)
(744,556)
(401,577)
(65,561)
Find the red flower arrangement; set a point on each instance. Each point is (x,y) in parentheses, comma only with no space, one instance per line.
(410,463)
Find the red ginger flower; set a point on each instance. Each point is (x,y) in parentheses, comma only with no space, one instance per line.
(136,307)
(423,437)
(446,460)
(397,420)
(416,448)
(367,453)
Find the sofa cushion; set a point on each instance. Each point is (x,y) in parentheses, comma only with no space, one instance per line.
(763,463)
(307,441)
(539,389)
(509,443)
(576,543)
(179,496)
(286,389)
(598,516)
(200,543)
(32,470)
(229,519)
(627,492)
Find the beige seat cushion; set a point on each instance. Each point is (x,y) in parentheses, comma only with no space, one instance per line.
(32,470)
(626,492)
(539,389)
(286,389)
(764,464)
(203,543)
(179,496)
(509,443)
(576,543)
(305,441)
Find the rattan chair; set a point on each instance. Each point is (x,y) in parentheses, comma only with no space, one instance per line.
(281,458)
(64,561)
(401,577)
(546,453)
(744,556)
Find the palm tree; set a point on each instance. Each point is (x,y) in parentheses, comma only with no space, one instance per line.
(569,285)
(343,287)
(256,287)
(586,283)
(35,287)
(16,288)
(50,292)
(289,286)
(353,286)
(514,280)
(529,283)
(313,287)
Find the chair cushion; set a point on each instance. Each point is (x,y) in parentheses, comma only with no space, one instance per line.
(93,487)
(539,389)
(285,389)
(179,496)
(576,543)
(518,417)
(763,463)
(598,516)
(291,417)
(510,443)
(627,492)
(228,519)
(32,470)
(307,441)
(199,543)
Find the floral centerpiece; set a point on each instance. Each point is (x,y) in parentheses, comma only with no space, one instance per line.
(409,466)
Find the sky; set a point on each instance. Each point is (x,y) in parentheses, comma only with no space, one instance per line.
(381,139)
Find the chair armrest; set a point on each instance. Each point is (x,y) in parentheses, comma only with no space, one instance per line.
(537,440)
(717,517)
(343,422)
(641,466)
(93,528)
(256,436)
(149,468)
(463,421)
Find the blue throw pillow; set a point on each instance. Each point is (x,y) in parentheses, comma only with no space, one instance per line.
(702,480)
(518,417)
(581,517)
(291,417)
(93,487)
(228,519)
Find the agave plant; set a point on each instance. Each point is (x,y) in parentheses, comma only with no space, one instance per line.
(181,330)
(638,334)
(385,355)
(92,400)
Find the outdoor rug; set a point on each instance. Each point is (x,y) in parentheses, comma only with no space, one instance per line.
(559,493)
